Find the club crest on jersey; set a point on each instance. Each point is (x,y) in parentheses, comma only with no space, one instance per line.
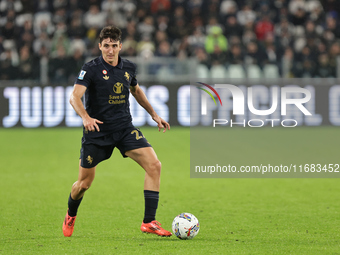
(118,88)
(127,76)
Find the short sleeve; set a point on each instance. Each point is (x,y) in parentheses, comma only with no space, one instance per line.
(134,81)
(84,76)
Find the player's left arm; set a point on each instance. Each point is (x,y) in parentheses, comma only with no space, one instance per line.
(141,98)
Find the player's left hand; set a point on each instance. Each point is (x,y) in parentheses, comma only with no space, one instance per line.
(162,124)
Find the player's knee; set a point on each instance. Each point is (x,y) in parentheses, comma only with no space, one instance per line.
(155,167)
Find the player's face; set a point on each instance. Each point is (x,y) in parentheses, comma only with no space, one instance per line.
(110,50)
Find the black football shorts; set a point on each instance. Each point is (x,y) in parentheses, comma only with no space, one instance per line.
(98,149)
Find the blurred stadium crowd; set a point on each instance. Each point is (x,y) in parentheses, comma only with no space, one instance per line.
(55,37)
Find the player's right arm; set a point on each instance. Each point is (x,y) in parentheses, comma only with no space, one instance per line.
(89,123)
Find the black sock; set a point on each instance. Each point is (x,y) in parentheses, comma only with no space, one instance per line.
(151,204)
(73,206)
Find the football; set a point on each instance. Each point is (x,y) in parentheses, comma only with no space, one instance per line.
(185,226)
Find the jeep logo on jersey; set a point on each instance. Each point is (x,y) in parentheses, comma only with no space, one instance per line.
(118,88)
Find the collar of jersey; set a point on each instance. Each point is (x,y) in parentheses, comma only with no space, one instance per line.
(109,67)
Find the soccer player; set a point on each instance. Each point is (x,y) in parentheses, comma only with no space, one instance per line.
(107,123)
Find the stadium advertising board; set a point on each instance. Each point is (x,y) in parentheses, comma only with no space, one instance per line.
(317,102)
(49,106)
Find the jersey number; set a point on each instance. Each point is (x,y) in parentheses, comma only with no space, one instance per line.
(137,134)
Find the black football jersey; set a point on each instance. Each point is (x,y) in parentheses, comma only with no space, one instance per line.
(107,94)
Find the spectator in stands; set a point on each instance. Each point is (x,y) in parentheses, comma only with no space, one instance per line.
(263,27)
(76,29)
(143,5)
(216,38)
(160,36)
(196,40)
(202,57)
(232,27)
(75,62)
(28,68)
(299,17)
(334,53)
(297,23)
(310,30)
(254,55)
(248,36)
(227,8)
(60,16)
(8,70)
(273,50)
(164,49)
(146,28)
(178,13)
(112,7)
(321,48)
(59,66)
(287,63)
(182,49)
(94,18)
(332,5)
(2,49)
(15,5)
(195,17)
(211,8)
(43,6)
(331,25)
(131,31)
(179,30)
(304,63)
(218,57)
(317,15)
(25,35)
(43,23)
(160,6)
(130,47)
(42,41)
(324,68)
(60,39)
(9,16)
(146,47)
(26,38)
(121,12)
(235,55)
(328,37)
(246,15)
(285,31)
(162,23)
(27,6)
(77,45)
(9,31)
(57,4)
(284,27)
(212,22)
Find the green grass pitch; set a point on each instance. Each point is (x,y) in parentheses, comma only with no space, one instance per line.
(237,216)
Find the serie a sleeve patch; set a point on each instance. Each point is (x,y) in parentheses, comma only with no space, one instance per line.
(81,75)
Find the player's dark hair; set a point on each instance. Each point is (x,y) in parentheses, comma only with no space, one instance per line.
(111,32)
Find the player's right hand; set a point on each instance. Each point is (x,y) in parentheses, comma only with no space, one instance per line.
(91,124)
